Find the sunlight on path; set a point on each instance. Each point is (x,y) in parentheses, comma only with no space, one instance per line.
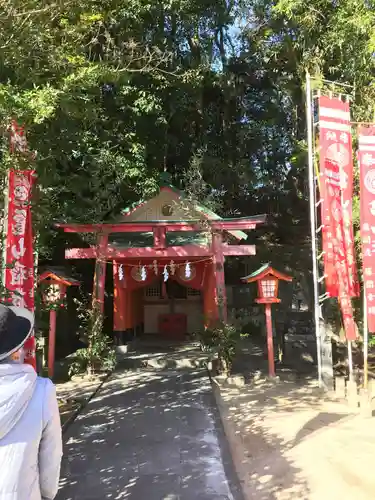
(147,435)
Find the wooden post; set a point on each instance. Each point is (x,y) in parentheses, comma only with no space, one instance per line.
(271,357)
(219,276)
(160,237)
(119,320)
(100,272)
(51,342)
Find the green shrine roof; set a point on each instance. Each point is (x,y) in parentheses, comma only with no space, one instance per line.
(158,211)
(197,238)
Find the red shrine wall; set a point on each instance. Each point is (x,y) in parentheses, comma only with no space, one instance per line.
(128,292)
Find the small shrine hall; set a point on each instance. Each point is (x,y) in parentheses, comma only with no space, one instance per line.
(167,256)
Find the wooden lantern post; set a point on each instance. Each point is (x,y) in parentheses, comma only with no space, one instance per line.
(268,286)
(54,294)
(52,297)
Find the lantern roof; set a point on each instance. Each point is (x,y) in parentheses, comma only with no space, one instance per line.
(263,272)
(57,275)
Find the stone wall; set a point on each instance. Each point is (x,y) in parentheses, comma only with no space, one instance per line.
(293,331)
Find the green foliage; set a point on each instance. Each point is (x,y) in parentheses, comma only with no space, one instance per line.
(221,341)
(99,355)
(113,94)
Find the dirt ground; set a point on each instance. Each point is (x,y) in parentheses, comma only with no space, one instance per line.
(74,394)
(289,441)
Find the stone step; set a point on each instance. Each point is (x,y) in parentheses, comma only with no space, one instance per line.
(184,359)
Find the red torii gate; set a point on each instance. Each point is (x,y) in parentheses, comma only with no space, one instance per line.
(215,251)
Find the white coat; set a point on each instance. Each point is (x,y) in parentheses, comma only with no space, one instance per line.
(30,435)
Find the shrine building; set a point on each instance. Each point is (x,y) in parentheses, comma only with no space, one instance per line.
(167,257)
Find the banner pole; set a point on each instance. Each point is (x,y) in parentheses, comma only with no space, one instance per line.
(350,361)
(312,201)
(365,343)
(364,304)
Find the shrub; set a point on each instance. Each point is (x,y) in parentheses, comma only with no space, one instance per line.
(99,355)
(222,342)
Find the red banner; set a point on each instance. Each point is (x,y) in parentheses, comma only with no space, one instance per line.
(19,275)
(336,146)
(341,275)
(366,158)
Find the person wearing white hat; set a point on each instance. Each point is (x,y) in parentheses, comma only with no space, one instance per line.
(30,429)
